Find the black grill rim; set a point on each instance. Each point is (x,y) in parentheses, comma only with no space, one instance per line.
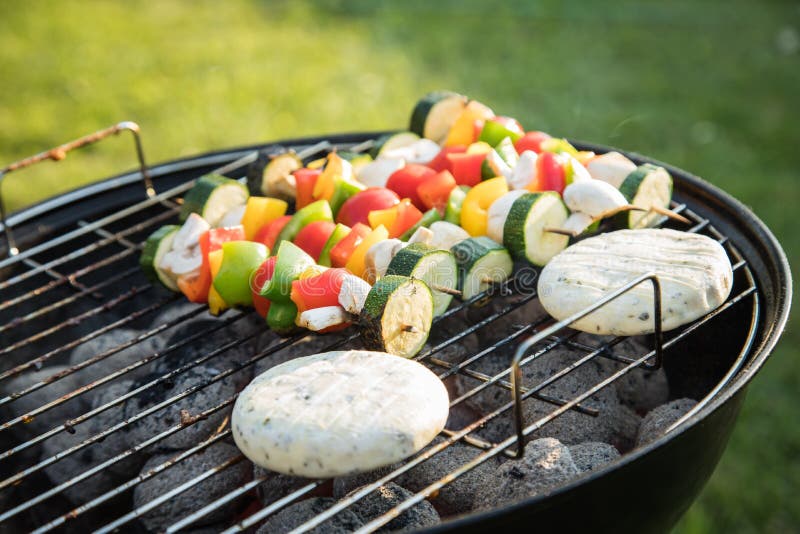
(750,235)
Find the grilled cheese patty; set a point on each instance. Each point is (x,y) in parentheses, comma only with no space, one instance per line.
(338,413)
(695,274)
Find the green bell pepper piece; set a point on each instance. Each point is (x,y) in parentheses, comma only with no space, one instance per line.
(452,212)
(344,189)
(505,148)
(428,218)
(494,132)
(316,211)
(339,232)
(505,151)
(291,262)
(281,317)
(557,145)
(239,260)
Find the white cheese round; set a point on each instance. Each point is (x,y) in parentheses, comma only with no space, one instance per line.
(694,271)
(338,413)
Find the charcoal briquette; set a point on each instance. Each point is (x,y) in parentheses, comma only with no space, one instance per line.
(197,496)
(658,420)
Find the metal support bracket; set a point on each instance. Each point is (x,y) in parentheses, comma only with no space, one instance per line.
(516,370)
(60,152)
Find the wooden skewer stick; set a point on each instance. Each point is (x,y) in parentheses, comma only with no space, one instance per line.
(561,231)
(448,290)
(406,328)
(488,281)
(613,211)
(671,214)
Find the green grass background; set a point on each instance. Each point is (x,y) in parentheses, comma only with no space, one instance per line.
(710,86)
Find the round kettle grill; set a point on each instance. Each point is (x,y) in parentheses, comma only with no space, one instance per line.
(69,274)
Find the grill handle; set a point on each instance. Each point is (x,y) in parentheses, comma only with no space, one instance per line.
(60,152)
(516,370)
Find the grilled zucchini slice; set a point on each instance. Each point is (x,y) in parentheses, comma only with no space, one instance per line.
(397,315)
(392,141)
(156,246)
(435,267)
(646,187)
(481,262)
(271,176)
(524,232)
(498,213)
(212,197)
(435,113)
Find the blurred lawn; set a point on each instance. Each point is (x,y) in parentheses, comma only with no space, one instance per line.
(709,86)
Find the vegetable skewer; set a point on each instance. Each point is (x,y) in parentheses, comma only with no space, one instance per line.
(419,209)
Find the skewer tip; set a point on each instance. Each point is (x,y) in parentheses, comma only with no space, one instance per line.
(671,214)
(560,231)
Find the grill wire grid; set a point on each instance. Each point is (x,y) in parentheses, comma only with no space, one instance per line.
(63,271)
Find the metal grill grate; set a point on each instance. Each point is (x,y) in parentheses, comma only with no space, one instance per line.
(80,283)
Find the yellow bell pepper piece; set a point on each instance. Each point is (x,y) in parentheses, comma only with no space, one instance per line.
(312,271)
(462,132)
(215,303)
(475,209)
(382,217)
(325,184)
(479,147)
(260,211)
(356,264)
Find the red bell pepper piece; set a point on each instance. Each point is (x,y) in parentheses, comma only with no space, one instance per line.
(440,162)
(466,168)
(318,291)
(407,216)
(356,208)
(405,181)
(268,233)
(530,141)
(313,236)
(435,191)
(213,239)
(550,174)
(196,287)
(262,275)
(305,179)
(340,253)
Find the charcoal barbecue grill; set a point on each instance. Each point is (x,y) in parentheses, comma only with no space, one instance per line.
(69,275)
